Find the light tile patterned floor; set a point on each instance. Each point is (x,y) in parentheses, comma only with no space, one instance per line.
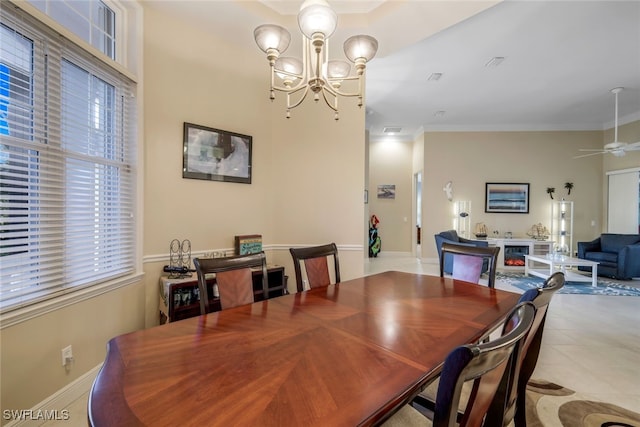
(591,343)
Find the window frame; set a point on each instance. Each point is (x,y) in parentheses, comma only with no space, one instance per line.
(70,295)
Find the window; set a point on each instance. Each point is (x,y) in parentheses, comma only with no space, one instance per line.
(92,20)
(67,165)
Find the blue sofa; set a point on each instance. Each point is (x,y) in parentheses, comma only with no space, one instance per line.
(451,236)
(618,255)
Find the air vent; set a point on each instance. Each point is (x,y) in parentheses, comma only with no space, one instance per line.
(494,62)
(434,77)
(392,130)
(439,113)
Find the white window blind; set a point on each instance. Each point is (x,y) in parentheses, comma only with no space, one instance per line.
(67,169)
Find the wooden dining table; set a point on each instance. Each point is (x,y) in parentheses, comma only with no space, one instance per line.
(348,354)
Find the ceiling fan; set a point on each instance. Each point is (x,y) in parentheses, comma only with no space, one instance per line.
(616,147)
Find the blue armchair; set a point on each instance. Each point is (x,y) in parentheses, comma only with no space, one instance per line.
(451,236)
(618,255)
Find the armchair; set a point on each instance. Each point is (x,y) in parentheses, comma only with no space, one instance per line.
(451,236)
(618,255)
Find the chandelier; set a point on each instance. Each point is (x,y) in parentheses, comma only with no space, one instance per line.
(315,72)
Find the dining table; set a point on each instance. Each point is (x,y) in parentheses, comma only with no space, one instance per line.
(347,354)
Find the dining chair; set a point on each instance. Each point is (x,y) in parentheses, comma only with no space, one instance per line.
(468,261)
(483,365)
(316,265)
(234,279)
(509,402)
(511,397)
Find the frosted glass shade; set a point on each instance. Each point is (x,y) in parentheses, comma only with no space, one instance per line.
(271,36)
(290,65)
(360,46)
(316,16)
(338,69)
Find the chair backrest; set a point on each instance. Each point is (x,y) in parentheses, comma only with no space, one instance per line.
(316,265)
(484,364)
(234,278)
(468,260)
(510,402)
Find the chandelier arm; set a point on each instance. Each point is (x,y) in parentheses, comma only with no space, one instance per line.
(303,82)
(304,95)
(326,100)
(337,91)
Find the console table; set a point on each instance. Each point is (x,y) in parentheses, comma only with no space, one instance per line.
(180,297)
(513,251)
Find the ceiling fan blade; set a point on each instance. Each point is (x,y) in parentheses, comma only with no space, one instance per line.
(590,154)
(599,150)
(633,146)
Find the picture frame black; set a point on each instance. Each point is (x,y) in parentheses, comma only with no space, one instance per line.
(216,155)
(506,197)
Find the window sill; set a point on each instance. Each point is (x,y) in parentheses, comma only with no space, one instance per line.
(31,311)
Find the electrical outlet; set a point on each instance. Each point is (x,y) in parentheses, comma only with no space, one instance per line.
(67,355)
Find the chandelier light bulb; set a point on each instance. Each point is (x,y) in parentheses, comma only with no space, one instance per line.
(337,69)
(269,36)
(317,17)
(360,47)
(288,69)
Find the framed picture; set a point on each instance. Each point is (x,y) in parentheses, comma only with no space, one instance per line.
(387,191)
(506,197)
(216,155)
(248,244)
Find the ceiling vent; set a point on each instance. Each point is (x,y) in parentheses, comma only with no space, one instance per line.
(494,62)
(392,129)
(434,77)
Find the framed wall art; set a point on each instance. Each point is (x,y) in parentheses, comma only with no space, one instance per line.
(216,155)
(506,197)
(248,244)
(387,191)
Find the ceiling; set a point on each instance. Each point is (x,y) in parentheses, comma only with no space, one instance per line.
(561,59)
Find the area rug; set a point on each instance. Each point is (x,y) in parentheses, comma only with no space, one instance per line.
(605,287)
(551,405)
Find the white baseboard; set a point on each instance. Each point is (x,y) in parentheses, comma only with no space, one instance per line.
(53,406)
(394,254)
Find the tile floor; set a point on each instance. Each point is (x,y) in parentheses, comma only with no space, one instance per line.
(591,343)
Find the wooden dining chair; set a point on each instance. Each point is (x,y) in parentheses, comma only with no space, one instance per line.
(510,402)
(483,365)
(234,278)
(316,265)
(468,262)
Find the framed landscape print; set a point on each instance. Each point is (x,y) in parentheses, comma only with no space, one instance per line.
(506,197)
(216,155)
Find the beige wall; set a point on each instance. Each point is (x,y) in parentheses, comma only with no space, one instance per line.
(542,159)
(31,365)
(470,159)
(391,163)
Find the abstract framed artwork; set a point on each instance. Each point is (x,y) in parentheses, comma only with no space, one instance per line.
(216,155)
(506,197)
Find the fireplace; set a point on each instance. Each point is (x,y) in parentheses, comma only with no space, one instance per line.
(514,254)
